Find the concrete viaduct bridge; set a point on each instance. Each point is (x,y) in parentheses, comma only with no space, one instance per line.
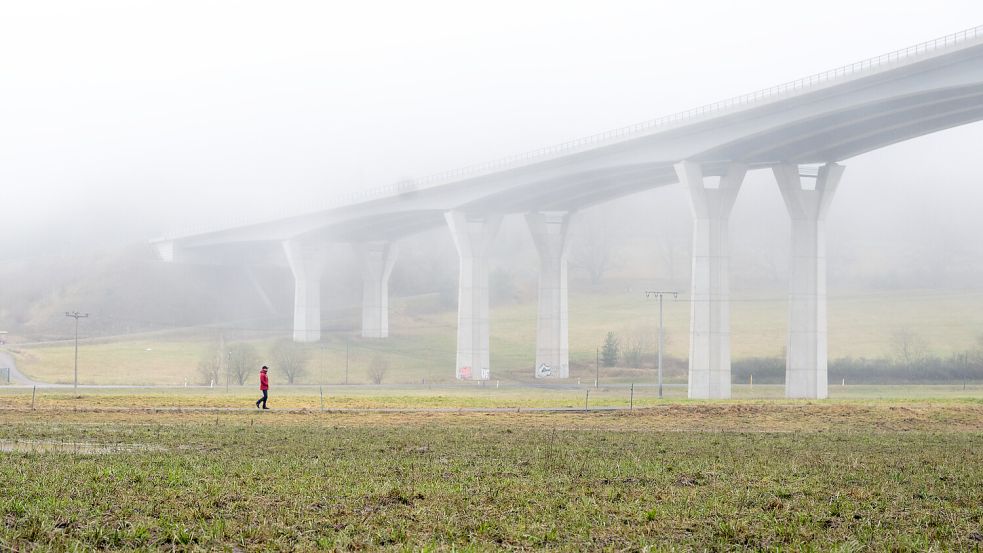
(799,130)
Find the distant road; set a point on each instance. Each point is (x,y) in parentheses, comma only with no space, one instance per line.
(16,377)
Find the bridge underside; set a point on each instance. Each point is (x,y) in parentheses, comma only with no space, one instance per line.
(847,133)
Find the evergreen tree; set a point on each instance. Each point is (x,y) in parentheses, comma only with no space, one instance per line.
(610,351)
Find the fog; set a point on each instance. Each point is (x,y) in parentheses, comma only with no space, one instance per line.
(125,120)
(590,371)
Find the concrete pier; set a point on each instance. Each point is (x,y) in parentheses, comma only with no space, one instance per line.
(473,236)
(307,261)
(709,349)
(376,260)
(551,234)
(806,353)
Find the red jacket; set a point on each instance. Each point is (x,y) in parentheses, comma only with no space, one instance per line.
(264,383)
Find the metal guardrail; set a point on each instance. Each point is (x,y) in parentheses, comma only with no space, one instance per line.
(811,82)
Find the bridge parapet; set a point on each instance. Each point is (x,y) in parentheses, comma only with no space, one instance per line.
(810,83)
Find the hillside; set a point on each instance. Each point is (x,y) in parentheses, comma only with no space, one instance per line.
(150,321)
(423,338)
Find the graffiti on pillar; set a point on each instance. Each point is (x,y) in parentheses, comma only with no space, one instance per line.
(485,373)
(464,373)
(544,370)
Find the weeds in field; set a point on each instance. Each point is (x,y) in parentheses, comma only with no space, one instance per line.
(448,481)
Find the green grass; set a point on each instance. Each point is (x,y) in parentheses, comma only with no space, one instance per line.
(821,476)
(422,346)
(166,361)
(465,395)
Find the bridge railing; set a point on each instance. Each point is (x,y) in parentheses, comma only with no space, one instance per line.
(771,93)
(632,131)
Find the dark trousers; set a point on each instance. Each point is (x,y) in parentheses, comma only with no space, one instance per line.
(263,399)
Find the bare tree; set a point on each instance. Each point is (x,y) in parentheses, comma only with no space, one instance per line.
(594,249)
(633,348)
(378,368)
(289,358)
(671,234)
(976,355)
(769,264)
(243,361)
(908,347)
(672,250)
(631,351)
(210,365)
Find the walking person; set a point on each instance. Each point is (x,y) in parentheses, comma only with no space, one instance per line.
(264,386)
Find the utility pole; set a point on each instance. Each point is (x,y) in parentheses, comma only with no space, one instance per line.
(429,365)
(76,315)
(597,365)
(659,294)
(346,361)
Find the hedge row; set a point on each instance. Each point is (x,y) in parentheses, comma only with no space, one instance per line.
(930,370)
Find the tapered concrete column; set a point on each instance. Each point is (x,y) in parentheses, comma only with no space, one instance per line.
(709,342)
(805,361)
(376,260)
(307,261)
(473,236)
(550,232)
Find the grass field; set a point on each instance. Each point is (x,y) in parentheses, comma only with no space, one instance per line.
(422,346)
(465,395)
(840,475)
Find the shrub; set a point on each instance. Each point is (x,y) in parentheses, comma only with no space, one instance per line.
(378,368)
(925,370)
(289,358)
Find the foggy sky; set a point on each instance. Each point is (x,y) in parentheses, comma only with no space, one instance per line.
(120,121)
